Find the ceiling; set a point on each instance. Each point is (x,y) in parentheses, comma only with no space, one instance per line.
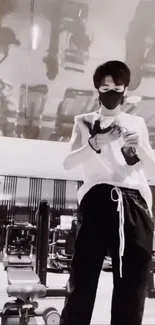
(49,50)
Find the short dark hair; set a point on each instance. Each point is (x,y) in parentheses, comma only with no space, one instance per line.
(118,70)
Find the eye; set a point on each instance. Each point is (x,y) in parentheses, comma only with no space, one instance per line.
(119,88)
(103,89)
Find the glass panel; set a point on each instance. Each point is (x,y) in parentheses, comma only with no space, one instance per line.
(47,190)
(60,44)
(71,195)
(2,178)
(22,191)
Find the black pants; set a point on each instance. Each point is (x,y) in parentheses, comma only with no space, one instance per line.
(98,231)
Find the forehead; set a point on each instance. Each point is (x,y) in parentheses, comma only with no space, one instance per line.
(108,80)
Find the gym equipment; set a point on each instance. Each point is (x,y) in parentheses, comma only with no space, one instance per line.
(18,251)
(24,285)
(74,34)
(68,108)
(62,249)
(43,222)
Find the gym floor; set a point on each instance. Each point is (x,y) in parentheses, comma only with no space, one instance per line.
(101,313)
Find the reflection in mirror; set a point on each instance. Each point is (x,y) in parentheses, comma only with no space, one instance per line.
(142,64)
(60,49)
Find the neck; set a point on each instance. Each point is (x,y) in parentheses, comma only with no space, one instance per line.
(106,112)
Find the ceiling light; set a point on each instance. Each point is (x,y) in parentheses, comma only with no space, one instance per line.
(35,36)
(133,99)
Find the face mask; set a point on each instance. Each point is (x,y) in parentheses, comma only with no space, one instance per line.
(111,99)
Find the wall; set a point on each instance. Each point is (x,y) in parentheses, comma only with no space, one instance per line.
(22,195)
(34,158)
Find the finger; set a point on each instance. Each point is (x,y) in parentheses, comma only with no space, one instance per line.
(131,144)
(131,135)
(131,138)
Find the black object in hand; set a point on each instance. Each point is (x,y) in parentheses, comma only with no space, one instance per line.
(93,130)
(130,155)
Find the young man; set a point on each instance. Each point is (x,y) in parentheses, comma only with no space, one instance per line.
(115,155)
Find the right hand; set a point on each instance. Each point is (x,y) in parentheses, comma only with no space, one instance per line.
(100,139)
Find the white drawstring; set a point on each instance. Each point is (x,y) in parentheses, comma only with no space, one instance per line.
(120,209)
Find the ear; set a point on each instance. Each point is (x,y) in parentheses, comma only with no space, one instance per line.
(125,91)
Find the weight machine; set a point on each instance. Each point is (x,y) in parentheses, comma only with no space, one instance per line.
(19,252)
(24,284)
(61,250)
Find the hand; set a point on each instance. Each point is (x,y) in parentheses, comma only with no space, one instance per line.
(100,139)
(131,139)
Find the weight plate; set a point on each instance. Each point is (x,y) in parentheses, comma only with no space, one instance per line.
(51,317)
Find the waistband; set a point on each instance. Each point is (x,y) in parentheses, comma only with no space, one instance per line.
(124,190)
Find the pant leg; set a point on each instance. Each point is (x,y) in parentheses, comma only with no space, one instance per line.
(129,292)
(89,252)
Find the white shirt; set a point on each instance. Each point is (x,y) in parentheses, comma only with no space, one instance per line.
(110,167)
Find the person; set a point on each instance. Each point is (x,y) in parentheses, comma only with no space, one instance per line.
(114,153)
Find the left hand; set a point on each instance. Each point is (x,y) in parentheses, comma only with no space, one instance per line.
(131,139)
